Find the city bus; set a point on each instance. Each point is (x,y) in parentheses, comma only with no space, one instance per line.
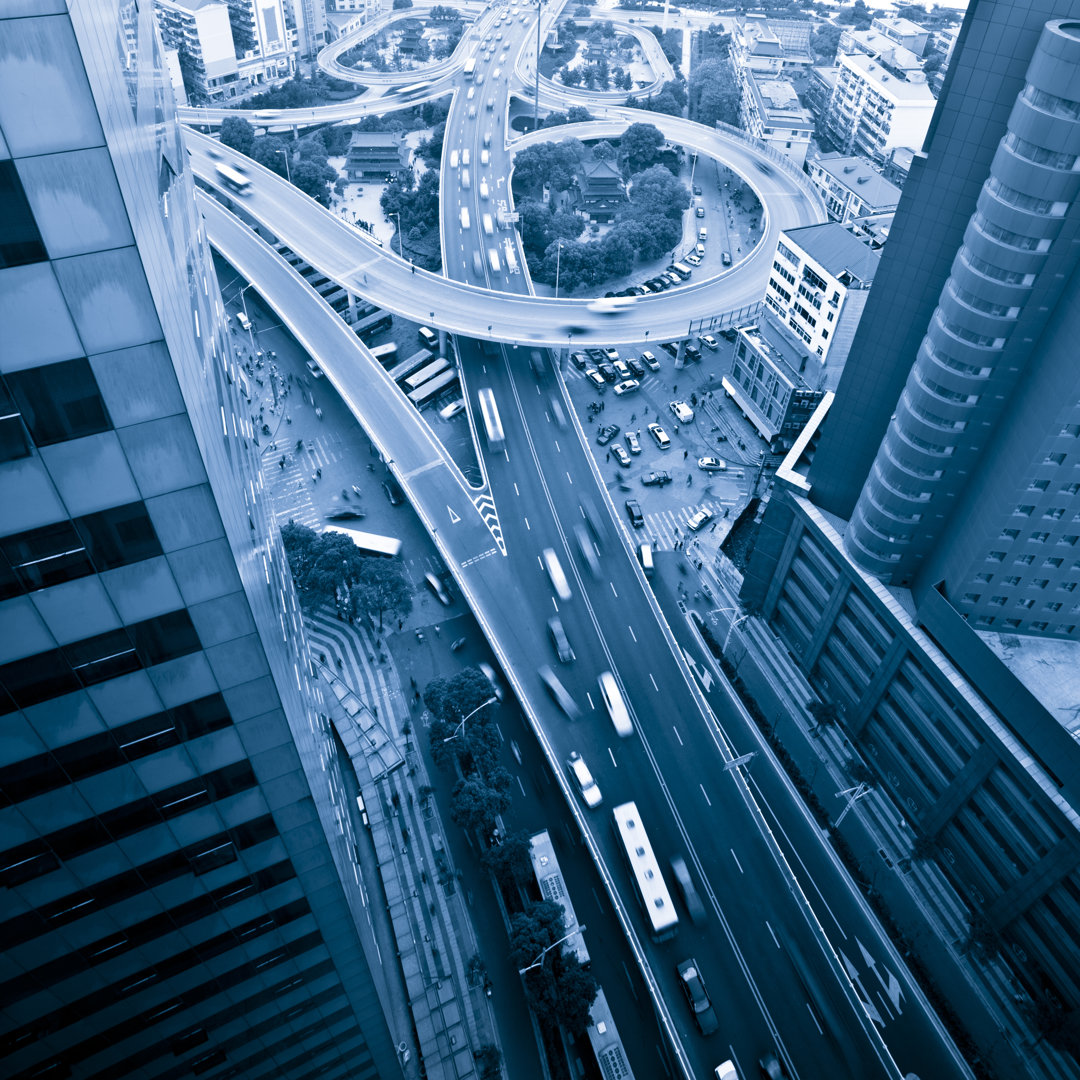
(385,354)
(493,260)
(652,892)
(492,424)
(604,1039)
(387,547)
(470,67)
(408,367)
(423,394)
(233,179)
(428,371)
(511,258)
(552,887)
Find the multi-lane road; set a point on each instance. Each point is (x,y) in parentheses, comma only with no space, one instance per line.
(791,959)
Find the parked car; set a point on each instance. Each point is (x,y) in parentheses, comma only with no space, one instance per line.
(660,435)
(611,353)
(633,510)
(627,387)
(657,478)
(700,211)
(726,258)
(697,997)
(607,371)
(650,361)
(710,342)
(635,367)
(681,411)
(671,347)
(607,434)
(711,464)
(620,454)
(595,378)
(692,352)
(632,442)
(697,189)
(692,259)
(579,360)
(586,785)
(621,370)
(699,520)
(699,248)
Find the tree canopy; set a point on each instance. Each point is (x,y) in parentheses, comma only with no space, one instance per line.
(714,93)
(554,164)
(639,147)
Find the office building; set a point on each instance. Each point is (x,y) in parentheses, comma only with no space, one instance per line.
(179,893)
(873,109)
(919,556)
(771,111)
(851,188)
(766,46)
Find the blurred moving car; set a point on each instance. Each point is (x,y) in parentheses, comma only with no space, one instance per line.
(688,891)
(556,689)
(438,588)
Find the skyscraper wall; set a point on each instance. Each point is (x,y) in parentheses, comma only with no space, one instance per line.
(989,69)
(178,896)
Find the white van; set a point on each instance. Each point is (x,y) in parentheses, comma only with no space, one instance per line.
(485,191)
(465,157)
(555,572)
(244,321)
(453,159)
(616,707)
(466,179)
(485,157)
(489,225)
(464,217)
(645,555)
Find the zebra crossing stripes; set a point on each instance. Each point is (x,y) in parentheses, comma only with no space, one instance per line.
(660,526)
(485,507)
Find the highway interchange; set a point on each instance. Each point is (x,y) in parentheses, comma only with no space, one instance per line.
(792,959)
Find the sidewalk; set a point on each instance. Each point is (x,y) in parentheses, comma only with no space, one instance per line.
(920,899)
(434,936)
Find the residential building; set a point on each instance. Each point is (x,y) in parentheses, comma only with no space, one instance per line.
(904,32)
(851,188)
(309,18)
(767,382)
(873,110)
(765,46)
(201,34)
(602,190)
(266,40)
(900,61)
(772,112)
(898,165)
(920,564)
(818,91)
(374,155)
(180,891)
(821,276)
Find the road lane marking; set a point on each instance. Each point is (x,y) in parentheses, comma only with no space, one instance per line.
(736,858)
(516,492)
(527,525)
(520,785)
(570,478)
(632,634)
(611,754)
(773,935)
(814,1018)
(705,794)
(588,698)
(612,584)
(678,736)
(630,981)
(653,681)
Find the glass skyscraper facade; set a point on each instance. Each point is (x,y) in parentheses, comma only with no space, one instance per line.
(178,892)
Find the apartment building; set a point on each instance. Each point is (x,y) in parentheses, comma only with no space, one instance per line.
(771,111)
(851,188)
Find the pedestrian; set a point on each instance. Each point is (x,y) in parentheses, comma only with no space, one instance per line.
(608,458)
(313,478)
(676,429)
(633,417)
(675,388)
(684,454)
(318,472)
(400,624)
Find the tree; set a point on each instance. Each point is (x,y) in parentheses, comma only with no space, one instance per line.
(510,861)
(400,5)
(639,147)
(452,698)
(925,847)
(266,153)
(313,179)
(714,93)
(603,151)
(824,40)
(237,133)
(825,713)
(554,164)
(575,991)
(383,587)
(578,114)
(858,15)
(320,564)
(474,804)
(489,1061)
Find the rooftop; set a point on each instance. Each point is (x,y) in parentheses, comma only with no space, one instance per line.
(1049,669)
(772,339)
(853,172)
(887,83)
(780,102)
(903,27)
(833,247)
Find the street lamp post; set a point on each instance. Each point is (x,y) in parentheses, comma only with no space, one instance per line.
(395,213)
(558,260)
(539,961)
(243,302)
(288,171)
(731,626)
(459,731)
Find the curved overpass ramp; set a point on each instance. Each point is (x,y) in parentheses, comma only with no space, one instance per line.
(365,269)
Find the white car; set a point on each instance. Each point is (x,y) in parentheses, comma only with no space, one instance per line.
(710,342)
(681,411)
(627,387)
(650,361)
(612,305)
(660,435)
(693,260)
(611,353)
(699,520)
(711,464)
(316,371)
(587,788)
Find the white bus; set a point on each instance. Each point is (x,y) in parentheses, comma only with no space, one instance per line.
(428,371)
(552,887)
(233,179)
(555,572)
(465,217)
(511,258)
(651,889)
(470,67)
(490,413)
(388,547)
(606,1045)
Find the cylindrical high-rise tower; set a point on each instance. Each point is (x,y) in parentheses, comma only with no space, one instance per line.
(970,359)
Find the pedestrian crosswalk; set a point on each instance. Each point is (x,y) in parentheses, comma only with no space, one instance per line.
(664,527)
(294,484)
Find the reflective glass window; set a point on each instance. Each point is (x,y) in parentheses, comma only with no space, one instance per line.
(20,241)
(59,401)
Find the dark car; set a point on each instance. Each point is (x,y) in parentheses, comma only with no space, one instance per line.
(607,371)
(697,189)
(595,355)
(688,890)
(770,1068)
(607,434)
(657,479)
(692,352)
(633,510)
(635,367)
(344,513)
(393,491)
(580,360)
(671,347)
(697,997)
